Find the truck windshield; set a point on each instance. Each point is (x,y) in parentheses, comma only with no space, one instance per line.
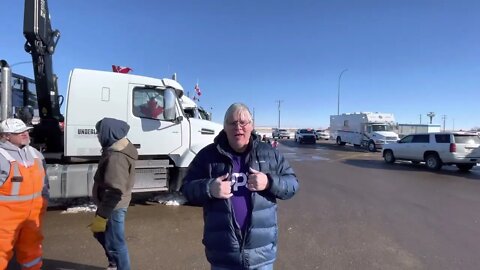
(204,114)
(382,128)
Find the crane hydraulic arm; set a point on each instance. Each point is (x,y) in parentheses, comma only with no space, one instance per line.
(41,43)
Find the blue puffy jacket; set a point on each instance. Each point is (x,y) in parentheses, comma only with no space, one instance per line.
(224,244)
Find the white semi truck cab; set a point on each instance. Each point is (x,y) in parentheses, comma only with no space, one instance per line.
(368,129)
(165,138)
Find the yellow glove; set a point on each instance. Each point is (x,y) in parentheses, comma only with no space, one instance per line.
(99,224)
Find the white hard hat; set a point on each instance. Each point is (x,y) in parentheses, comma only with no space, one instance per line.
(13,125)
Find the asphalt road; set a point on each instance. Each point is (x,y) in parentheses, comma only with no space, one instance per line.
(352,211)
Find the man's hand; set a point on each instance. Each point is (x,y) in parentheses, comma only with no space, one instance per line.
(221,187)
(257,181)
(99,224)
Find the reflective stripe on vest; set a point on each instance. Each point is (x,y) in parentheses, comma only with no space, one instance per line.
(32,262)
(19,198)
(16,171)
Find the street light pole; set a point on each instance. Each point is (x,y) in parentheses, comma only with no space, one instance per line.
(279,102)
(338,98)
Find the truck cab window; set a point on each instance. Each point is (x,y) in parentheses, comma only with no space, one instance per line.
(148,103)
(189,112)
(204,114)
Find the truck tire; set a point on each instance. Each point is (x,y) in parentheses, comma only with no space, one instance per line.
(388,156)
(339,141)
(372,147)
(464,167)
(433,162)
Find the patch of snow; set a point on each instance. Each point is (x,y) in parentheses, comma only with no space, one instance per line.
(174,199)
(80,209)
(78,205)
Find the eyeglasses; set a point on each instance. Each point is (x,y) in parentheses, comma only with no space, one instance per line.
(239,123)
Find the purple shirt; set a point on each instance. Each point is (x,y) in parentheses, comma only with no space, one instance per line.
(241,199)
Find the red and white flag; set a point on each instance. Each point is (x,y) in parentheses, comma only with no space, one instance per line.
(120,69)
(197,90)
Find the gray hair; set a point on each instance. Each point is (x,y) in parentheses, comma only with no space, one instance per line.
(237,108)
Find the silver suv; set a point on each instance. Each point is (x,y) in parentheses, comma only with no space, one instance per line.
(280,133)
(436,149)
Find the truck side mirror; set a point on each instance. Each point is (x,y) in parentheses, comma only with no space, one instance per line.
(169,101)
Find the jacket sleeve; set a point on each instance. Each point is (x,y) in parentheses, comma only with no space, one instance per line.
(196,184)
(115,183)
(283,183)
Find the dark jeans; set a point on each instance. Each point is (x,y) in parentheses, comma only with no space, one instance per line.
(113,240)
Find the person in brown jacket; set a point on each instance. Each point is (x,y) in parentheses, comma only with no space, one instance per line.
(112,190)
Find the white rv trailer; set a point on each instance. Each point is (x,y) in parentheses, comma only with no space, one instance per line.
(367,129)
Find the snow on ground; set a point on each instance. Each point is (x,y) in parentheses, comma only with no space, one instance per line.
(170,199)
(85,205)
(86,208)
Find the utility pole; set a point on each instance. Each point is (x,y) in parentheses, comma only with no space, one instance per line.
(420,118)
(279,102)
(444,117)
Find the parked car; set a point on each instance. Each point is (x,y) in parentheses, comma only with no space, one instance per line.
(280,133)
(305,136)
(436,149)
(322,134)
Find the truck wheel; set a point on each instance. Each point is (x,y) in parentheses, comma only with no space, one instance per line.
(464,167)
(339,141)
(433,162)
(388,156)
(372,147)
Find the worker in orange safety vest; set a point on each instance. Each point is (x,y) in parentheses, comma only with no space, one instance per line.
(23,196)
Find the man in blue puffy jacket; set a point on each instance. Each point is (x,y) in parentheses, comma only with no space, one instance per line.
(238,180)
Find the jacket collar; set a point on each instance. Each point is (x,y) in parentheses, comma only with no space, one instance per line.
(119,145)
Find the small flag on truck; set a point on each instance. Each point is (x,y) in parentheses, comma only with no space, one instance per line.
(197,90)
(120,69)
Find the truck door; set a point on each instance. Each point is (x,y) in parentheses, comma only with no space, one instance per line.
(150,129)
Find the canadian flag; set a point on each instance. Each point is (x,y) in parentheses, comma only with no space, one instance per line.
(121,69)
(197,90)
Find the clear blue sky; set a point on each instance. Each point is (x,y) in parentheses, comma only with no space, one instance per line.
(404,57)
